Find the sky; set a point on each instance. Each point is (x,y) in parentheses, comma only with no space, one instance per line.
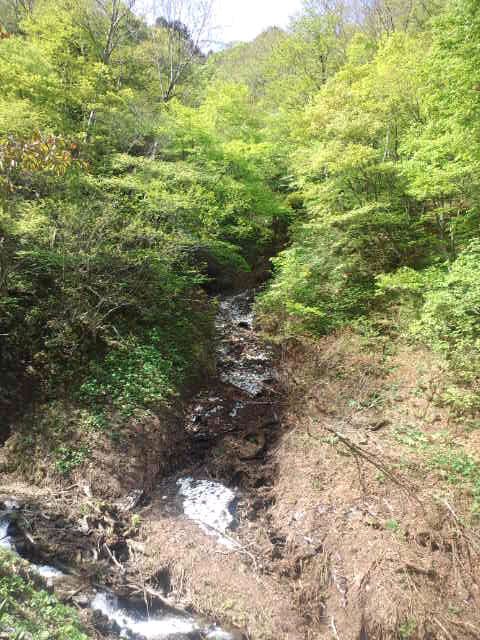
(245,19)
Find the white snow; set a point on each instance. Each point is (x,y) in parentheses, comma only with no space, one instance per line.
(250,382)
(12,504)
(46,571)
(207,503)
(218,634)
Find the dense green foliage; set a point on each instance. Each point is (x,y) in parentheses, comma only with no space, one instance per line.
(113,199)
(28,610)
(122,187)
(383,163)
(139,174)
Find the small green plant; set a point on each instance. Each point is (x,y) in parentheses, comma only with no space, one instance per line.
(95,420)
(441,454)
(392,525)
(459,468)
(461,401)
(136,520)
(407,629)
(47,618)
(411,437)
(136,375)
(472,425)
(68,458)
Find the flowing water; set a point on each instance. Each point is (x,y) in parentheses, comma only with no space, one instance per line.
(134,623)
(129,620)
(244,374)
(236,406)
(7,542)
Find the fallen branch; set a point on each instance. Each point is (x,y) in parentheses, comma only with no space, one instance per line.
(158,596)
(334,628)
(239,549)
(113,558)
(468,626)
(358,451)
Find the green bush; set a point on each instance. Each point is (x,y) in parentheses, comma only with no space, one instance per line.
(135,375)
(450,318)
(26,608)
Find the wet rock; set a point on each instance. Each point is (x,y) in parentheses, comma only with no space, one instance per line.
(250,383)
(214,412)
(131,501)
(236,409)
(81,600)
(254,447)
(163,581)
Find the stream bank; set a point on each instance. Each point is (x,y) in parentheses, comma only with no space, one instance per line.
(301,510)
(191,544)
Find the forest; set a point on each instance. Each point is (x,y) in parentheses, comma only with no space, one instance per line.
(333,166)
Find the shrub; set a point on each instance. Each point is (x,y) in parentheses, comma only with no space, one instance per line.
(47,618)
(450,317)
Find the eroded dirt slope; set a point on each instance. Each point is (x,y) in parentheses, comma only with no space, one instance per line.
(335,505)
(393,540)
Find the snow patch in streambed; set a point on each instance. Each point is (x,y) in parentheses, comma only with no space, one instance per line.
(210,505)
(250,382)
(47,572)
(216,633)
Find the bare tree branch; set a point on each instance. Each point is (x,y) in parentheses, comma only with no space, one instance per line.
(183,28)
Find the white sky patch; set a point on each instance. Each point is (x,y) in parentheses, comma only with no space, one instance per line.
(232,20)
(246,19)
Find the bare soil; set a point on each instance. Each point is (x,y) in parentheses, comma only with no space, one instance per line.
(345,532)
(398,550)
(345,529)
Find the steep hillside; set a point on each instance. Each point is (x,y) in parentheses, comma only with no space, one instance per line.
(239,322)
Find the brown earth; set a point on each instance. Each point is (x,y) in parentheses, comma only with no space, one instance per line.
(398,551)
(146,448)
(347,529)
(346,532)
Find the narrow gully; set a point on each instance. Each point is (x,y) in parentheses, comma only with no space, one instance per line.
(237,411)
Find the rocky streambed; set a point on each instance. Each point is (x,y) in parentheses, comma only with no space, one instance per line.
(122,617)
(229,427)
